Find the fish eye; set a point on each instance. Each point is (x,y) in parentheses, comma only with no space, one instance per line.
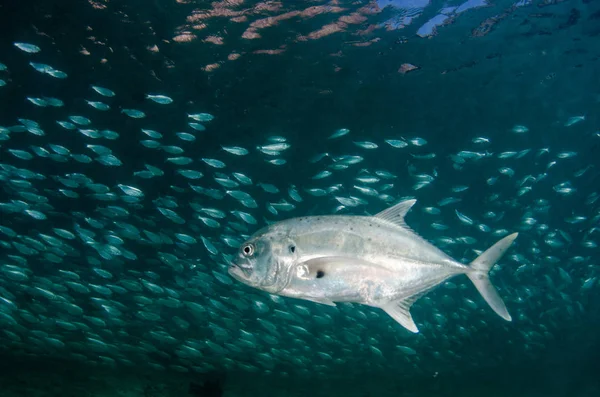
(248,250)
(320,273)
(292,248)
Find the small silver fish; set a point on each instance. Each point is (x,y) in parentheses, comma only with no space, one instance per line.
(40,67)
(377,261)
(184,136)
(417,141)
(57,74)
(80,120)
(197,126)
(98,105)
(480,140)
(160,99)
(574,120)
(54,102)
(37,101)
(520,129)
(103,91)
(26,47)
(134,113)
(366,145)
(238,151)
(396,143)
(339,133)
(201,117)
(214,162)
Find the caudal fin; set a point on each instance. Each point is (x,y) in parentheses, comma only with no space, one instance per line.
(479,275)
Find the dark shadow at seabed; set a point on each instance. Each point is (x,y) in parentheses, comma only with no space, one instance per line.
(561,374)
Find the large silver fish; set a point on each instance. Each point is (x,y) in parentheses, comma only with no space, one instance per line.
(377,261)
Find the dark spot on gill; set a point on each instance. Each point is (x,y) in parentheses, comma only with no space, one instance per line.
(320,273)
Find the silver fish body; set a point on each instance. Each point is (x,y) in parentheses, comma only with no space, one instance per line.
(377,261)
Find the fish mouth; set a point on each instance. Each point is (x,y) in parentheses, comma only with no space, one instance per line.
(236,272)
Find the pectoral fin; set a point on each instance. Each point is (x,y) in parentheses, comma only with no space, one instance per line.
(333,271)
(321,301)
(332,261)
(334,265)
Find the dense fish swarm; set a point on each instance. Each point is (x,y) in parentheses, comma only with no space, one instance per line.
(117,224)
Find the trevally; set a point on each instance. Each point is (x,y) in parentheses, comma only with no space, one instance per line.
(373,260)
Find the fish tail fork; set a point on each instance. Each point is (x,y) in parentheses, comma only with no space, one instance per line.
(479,275)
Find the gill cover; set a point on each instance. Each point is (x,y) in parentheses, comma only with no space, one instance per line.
(266,262)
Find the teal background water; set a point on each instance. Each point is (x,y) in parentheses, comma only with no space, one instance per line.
(536,67)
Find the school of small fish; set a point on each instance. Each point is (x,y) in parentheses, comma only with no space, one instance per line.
(117,254)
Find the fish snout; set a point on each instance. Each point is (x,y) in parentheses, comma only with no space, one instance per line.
(233,270)
(240,271)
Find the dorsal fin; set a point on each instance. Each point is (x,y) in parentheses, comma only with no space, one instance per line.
(395,216)
(397,213)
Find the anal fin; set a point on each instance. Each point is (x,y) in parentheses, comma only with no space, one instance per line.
(400,311)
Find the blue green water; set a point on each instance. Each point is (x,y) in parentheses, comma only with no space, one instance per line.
(117,225)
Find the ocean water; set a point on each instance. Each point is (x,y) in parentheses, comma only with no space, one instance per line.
(142,142)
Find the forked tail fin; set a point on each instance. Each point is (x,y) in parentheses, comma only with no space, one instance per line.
(479,275)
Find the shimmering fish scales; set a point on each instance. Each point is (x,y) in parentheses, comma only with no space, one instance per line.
(377,261)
